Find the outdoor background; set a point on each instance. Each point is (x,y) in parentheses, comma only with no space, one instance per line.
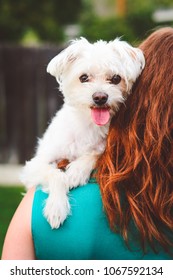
(31,33)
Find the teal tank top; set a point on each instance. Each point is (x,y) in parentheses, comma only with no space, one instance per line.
(85,234)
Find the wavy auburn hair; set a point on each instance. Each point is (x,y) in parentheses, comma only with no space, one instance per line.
(135,172)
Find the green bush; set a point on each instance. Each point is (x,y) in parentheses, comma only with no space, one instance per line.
(10,198)
(49,31)
(140,22)
(95,28)
(45,18)
(10,29)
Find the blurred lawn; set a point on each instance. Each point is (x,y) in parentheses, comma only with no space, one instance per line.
(10,198)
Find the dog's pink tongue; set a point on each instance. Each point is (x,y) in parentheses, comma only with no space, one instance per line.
(100,116)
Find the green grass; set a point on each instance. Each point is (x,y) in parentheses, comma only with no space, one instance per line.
(10,198)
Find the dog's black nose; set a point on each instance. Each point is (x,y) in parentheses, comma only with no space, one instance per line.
(100,98)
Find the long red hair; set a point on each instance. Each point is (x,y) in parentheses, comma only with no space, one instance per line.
(135,172)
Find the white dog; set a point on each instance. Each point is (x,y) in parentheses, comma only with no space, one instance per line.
(94,79)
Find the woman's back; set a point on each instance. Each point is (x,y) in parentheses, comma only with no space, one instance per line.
(86,234)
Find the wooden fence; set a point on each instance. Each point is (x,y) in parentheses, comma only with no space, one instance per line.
(29,97)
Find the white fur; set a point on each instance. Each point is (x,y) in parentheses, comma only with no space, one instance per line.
(72,134)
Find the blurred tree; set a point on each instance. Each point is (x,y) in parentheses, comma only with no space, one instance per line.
(133,19)
(140,5)
(140,15)
(141,22)
(95,28)
(45,17)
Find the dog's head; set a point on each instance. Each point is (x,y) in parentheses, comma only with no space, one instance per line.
(97,77)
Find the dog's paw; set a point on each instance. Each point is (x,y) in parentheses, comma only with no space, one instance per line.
(56,211)
(78,172)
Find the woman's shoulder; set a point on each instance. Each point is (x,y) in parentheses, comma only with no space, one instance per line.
(25,207)
(28,197)
(26,204)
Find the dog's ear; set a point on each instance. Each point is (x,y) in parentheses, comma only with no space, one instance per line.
(59,63)
(132,59)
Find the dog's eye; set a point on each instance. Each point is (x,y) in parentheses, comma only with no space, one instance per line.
(116,79)
(84,78)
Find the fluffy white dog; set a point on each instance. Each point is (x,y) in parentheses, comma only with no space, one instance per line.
(94,79)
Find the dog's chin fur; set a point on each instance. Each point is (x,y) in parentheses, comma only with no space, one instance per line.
(73,134)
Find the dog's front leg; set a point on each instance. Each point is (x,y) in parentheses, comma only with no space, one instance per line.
(78,172)
(57,206)
(54,182)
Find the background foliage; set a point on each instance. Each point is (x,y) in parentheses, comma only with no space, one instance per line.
(135,25)
(44,17)
(47,19)
(9,200)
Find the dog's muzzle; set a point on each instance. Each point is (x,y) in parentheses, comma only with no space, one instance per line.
(100,111)
(100,98)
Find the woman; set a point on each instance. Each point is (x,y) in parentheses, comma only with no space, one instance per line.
(135,178)
(136,170)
